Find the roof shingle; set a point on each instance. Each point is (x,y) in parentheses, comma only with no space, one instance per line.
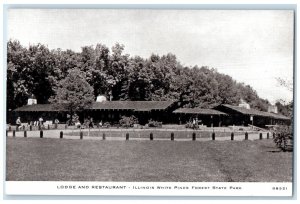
(199,111)
(106,105)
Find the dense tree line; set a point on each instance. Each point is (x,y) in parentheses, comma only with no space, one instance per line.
(41,72)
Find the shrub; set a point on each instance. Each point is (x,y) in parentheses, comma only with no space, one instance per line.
(128,121)
(153,123)
(106,124)
(284,135)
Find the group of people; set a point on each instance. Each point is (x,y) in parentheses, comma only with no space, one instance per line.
(39,123)
(88,123)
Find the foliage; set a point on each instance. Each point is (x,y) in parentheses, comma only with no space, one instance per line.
(284,136)
(74,93)
(38,71)
(126,121)
(153,123)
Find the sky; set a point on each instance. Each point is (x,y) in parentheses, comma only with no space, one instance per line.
(252,46)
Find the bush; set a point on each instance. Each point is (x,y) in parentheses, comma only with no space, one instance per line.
(153,123)
(106,124)
(284,135)
(128,121)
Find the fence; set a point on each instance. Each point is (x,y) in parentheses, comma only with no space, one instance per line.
(132,134)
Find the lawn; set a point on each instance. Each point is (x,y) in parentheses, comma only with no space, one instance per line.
(34,159)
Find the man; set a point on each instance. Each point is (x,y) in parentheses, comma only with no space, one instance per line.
(41,120)
(56,121)
(18,123)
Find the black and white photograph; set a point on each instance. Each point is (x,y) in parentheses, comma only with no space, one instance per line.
(150,100)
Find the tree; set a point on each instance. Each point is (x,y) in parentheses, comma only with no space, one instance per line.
(74,93)
(285,133)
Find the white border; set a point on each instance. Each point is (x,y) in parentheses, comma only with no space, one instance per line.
(149,188)
(217,2)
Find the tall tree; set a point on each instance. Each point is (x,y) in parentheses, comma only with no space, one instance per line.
(74,93)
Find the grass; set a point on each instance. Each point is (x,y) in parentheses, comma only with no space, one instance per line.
(34,159)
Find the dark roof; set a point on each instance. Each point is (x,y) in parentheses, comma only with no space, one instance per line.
(254,112)
(198,111)
(106,105)
(279,116)
(132,105)
(38,108)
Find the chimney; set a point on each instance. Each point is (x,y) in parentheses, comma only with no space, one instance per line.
(273,109)
(32,100)
(101,98)
(244,104)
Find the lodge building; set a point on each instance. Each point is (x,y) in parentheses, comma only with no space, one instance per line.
(167,112)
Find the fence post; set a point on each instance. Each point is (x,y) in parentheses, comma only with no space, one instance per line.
(213,136)
(232,136)
(260,136)
(41,134)
(172,135)
(127,136)
(25,133)
(30,127)
(48,127)
(61,134)
(14,133)
(268,135)
(9,128)
(151,136)
(246,135)
(103,136)
(81,135)
(194,136)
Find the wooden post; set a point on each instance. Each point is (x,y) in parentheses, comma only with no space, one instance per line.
(260,136)
(213,136)
(14,133)
(25,133)
(41,134)
(103,136)
(268,135)
(61,134)
(48,127)
(127,136)
(151,136)
(30,127)
(246,135)
(172,135)
(232,136)
(81,135)
(194,136)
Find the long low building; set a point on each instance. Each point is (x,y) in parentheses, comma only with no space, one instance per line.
(167,112)
(105,111)
(247,116)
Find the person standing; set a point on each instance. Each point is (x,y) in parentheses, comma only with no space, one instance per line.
(56,121)
(18,123)
(41,120)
